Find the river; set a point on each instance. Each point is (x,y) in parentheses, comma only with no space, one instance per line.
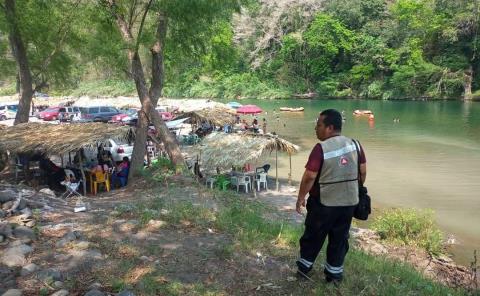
(429,159)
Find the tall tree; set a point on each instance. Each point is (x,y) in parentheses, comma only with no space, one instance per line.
(143,25)
(20,54)
(458,39)
(39,34)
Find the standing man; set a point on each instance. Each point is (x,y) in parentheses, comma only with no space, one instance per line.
(331,179)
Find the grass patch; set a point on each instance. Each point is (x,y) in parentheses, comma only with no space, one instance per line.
(410,227)
(245,221)
(251,231)
(155,284)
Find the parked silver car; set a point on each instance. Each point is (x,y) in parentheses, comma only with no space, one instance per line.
(99,113)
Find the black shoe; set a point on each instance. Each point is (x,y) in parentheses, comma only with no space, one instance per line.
(303,271)
(335,281)
(302,268)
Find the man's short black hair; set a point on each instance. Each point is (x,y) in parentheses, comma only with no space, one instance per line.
(332,117)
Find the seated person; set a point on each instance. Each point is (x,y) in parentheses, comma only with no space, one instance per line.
(255,126)
(101,168)
(121,174)
(227,128)
(125,164)
(106,158)
(247,168)
(244,125)
(54,173)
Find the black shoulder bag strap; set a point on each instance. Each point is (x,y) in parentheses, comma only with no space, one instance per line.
(318,177)
(358,162)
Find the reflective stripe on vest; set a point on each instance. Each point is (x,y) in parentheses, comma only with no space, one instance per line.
(338,180)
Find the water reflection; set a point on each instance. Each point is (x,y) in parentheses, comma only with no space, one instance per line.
(429,159)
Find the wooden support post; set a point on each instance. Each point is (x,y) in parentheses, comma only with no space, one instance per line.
(276,169)
(290,172)
(80,163)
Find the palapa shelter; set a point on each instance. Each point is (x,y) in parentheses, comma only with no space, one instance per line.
(60,139)
(226,150)
(218,116)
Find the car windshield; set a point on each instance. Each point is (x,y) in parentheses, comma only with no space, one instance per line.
(12,108)
(131,111)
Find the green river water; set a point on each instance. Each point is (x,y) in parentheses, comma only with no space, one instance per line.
(429,159)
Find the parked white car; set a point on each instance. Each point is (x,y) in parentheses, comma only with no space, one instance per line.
(119,149)
(8,111)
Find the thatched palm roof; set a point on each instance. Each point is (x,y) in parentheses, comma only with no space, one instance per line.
(218,116)
(224,150)
(61,138)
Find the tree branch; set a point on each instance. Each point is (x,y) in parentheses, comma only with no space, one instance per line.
(131,19)
(140,30)
(157,59)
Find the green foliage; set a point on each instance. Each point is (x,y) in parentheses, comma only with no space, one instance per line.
(352,48)
(8,90)
(328,41)
(50,31)
(105,88)
(229,85)
(476,95)
(411,228)
(160,170)
(356,13)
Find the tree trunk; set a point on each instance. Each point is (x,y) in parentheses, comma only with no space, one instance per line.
(148,98)
(20,54)
(139,146)
(148,108)
(467,84)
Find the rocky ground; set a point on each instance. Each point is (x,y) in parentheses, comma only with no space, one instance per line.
(49,249)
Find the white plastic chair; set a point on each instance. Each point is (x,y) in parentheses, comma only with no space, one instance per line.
(261,178)
(243,181)
(71,187)
(210,180)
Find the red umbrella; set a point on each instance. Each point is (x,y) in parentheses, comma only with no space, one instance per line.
(249,109)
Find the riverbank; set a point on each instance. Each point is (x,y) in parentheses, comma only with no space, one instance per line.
(229,88)
(426,132)
(179,238)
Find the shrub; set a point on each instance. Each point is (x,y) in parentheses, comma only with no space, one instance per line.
(105,88)
(410,227)
(476,95)
(160,170)
(8,90)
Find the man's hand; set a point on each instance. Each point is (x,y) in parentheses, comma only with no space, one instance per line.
(305,185)
(300,204)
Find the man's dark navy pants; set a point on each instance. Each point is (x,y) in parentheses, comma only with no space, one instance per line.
(323,221)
